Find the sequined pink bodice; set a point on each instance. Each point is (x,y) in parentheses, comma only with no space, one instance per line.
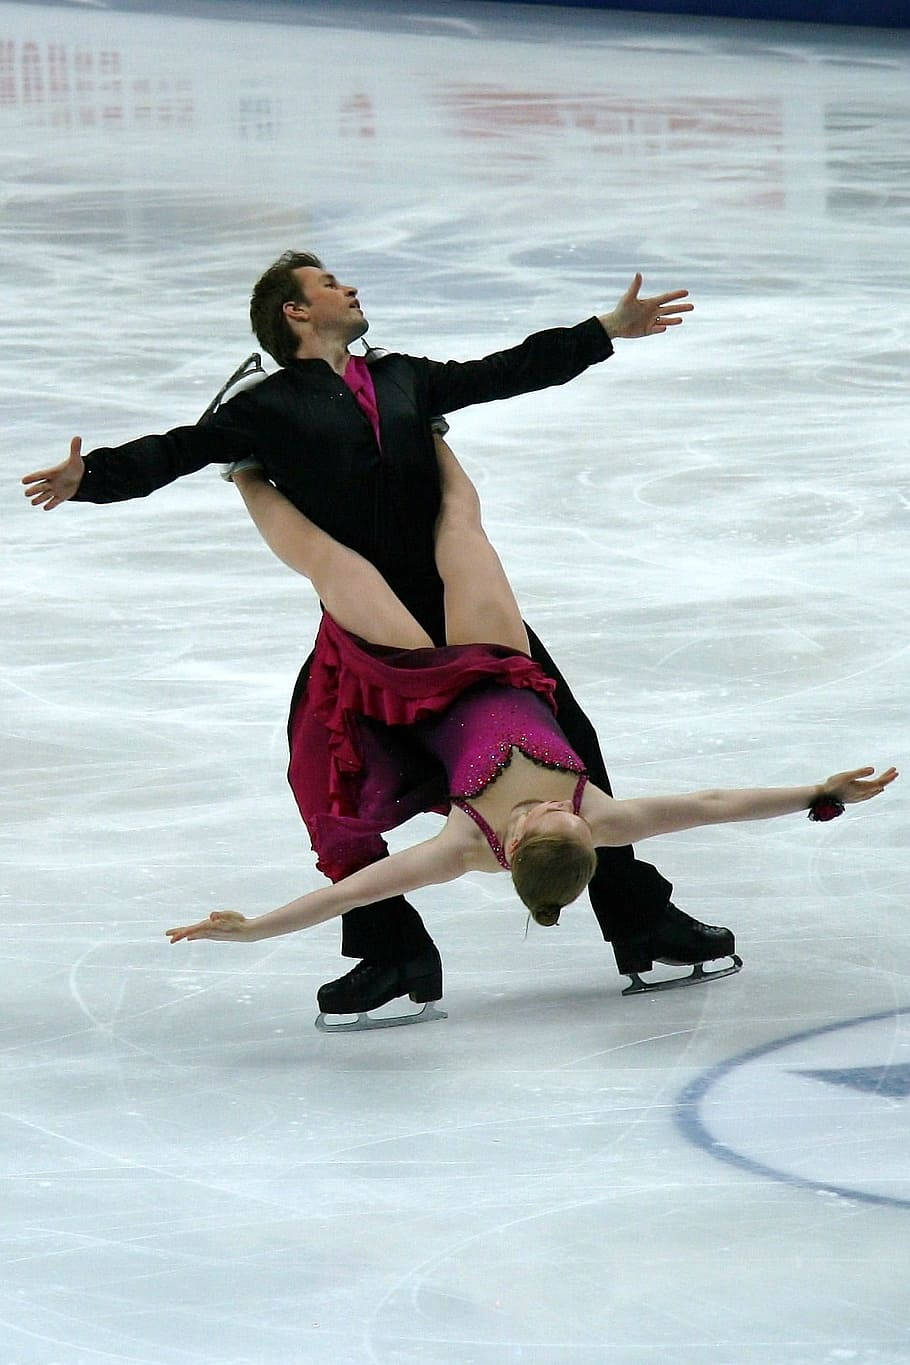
(475,737)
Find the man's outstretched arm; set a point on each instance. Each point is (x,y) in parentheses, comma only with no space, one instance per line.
(137,468)
(47,488)
(634,316)
(551,357)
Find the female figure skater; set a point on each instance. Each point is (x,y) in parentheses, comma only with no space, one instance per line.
(475,713)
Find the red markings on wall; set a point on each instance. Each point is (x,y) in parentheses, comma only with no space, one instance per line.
(736,139)
(486,112)
(71,87)
(357,117)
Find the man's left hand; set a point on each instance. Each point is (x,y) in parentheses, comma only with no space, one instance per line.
(637,317)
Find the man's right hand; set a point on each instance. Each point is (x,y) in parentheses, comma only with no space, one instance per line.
(47,488)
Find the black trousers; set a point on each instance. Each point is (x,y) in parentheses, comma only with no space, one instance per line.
(626,894)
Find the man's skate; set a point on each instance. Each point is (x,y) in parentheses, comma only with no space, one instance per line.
(370,985)
(246,376)
(678,941)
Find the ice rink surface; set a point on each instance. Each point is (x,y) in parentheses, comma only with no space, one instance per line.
(709,531)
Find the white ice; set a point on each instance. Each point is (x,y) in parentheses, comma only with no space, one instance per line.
(710,532)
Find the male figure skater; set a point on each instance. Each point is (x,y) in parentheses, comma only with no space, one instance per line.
(348,440)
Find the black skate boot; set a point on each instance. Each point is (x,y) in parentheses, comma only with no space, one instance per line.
(679,941)
(371,984)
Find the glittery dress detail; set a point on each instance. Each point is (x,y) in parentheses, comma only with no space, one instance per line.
(475,737)
(379,735)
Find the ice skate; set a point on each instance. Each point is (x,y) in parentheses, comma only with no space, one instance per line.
(363,1023)
(676,940)
(246,376)
(370,985)
(698,976)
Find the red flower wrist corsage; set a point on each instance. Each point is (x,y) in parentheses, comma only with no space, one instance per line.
(826,808)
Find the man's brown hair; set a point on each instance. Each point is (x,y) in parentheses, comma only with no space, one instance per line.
(275,287)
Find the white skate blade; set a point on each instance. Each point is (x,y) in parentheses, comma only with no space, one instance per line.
(364,1022)
(697,977)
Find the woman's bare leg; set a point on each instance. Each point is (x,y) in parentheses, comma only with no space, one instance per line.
(350,588)
(480,606)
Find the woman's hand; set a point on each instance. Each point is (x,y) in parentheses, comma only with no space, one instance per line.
(227,925)
(859,785)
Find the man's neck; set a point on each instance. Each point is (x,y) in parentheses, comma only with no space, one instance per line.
(335,354)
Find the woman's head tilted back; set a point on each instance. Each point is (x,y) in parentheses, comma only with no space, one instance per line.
(551,867)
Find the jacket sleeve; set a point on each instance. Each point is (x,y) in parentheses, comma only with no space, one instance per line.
(133,470)
(542,360)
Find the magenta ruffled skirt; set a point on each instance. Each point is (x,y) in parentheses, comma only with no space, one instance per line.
(357,768)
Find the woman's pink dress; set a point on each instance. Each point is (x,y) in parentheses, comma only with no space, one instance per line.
(379,735)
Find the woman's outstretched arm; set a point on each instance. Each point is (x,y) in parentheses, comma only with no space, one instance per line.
(440,859)
(616,823)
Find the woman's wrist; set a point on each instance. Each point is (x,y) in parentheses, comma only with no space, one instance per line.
(825,804)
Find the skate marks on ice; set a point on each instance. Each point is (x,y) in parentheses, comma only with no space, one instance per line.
(718,564)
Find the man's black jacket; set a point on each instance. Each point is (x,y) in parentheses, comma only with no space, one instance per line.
(305,427)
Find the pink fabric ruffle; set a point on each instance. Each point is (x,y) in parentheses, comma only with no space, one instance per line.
(350,786)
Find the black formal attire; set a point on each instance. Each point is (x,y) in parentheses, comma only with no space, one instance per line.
(317,446)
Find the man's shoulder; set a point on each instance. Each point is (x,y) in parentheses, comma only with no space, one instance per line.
(377,357)
(258,390)
(396,367)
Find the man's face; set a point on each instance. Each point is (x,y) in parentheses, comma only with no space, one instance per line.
(331,308)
